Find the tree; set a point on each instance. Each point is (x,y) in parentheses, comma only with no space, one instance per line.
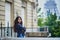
(54,26)
(38,10)
(51,20)
(56,30)
(40,20)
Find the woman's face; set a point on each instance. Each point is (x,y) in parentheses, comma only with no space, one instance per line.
(19,20)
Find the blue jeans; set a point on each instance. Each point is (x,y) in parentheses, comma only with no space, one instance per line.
(20,35)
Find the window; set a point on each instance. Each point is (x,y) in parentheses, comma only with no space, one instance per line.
(22,14)
(7,14)
(33,5)
(24,3)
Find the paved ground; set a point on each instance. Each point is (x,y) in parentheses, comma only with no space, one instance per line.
(30,38)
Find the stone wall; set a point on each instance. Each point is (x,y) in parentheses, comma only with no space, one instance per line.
(2,12)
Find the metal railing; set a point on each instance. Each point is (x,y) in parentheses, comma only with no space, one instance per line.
(7,31)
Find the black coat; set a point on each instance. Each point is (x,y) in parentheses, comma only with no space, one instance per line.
(20,28)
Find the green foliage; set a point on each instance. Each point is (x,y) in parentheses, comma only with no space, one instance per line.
(56,30)
(38,10)
(50,21)
(54,26)
(40,20)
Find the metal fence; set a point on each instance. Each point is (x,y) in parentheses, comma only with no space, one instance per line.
(7,31)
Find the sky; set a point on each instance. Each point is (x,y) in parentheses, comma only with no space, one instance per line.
(42,2)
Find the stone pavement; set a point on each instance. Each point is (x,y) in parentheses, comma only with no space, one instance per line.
(30,38)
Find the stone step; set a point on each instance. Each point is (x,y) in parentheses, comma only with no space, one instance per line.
(34,34)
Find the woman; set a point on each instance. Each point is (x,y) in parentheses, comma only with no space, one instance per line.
(18,27)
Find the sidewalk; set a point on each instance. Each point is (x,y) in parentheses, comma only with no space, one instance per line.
(30,38)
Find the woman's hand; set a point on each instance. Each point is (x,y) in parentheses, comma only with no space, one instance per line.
(22,30)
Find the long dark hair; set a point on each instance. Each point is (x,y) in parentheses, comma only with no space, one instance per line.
(16,22)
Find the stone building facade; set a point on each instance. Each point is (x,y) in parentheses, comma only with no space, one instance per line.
(10,9)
